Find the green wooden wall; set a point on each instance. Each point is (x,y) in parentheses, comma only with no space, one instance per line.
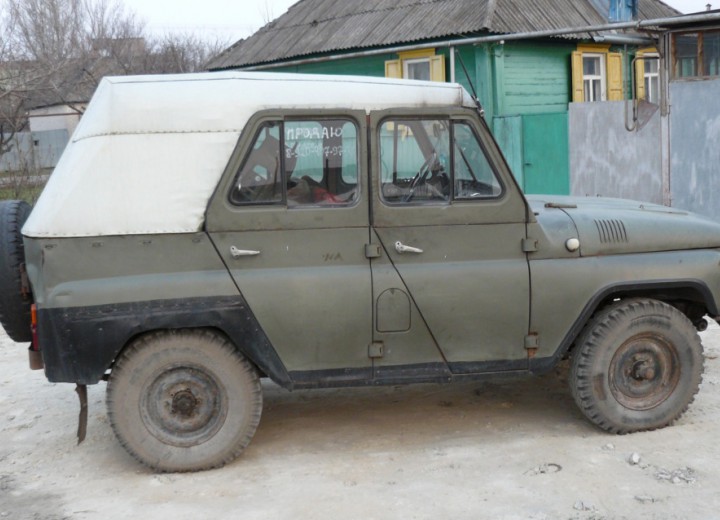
(525,88)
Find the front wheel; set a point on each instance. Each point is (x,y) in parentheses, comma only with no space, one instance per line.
(184,400)
(637,366)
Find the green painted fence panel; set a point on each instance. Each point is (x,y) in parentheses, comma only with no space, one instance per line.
(509,135)
(546,157)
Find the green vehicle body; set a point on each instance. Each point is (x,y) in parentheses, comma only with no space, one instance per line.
(374,290)
(329,301)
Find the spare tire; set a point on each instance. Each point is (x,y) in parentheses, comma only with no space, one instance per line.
(15,295)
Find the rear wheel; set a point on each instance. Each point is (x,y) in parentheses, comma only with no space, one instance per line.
(637,366)
(15,295)
(184,401)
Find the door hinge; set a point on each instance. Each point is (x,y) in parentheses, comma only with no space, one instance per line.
(372,251)
(376,349)
(529,245)
(532,344)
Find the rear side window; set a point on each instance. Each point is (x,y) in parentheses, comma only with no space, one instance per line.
(300,163)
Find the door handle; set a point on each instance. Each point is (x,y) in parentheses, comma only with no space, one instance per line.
(237,253)
(402,248)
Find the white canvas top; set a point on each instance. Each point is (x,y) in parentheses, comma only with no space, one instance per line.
(150,150)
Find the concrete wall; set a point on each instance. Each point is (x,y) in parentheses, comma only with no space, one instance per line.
(606,160)
(36,150)
(59,117)
(695,146)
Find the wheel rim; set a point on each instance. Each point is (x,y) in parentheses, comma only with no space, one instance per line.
(183,406)
(644,372)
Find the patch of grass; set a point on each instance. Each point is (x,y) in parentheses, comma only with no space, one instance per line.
(29,194)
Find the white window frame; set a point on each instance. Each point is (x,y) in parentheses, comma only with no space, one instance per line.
(651,95)
(406,66)
(593,77)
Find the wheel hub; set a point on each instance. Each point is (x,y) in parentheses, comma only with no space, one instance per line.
(184,403)
(184,406)
(644,372)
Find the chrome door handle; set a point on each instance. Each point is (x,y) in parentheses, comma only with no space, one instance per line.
(402,248)
(237,253)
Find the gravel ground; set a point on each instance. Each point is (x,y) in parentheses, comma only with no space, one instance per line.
(505,450)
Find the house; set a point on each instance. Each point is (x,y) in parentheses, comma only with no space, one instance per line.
(528,59)
(667,153)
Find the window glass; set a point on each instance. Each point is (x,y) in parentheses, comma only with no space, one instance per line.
(418,166)
(259,180)
(651,64)
(686,53)
(319,165)
(593,77)
(321,162)
(417,69)
(414,158)
(474,177)
(711,54)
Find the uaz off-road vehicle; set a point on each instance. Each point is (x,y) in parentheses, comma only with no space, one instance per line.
(204,231)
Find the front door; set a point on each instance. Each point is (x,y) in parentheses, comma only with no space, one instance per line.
(290,220)
(451,221)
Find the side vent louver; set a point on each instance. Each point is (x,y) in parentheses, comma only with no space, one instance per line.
(611,231)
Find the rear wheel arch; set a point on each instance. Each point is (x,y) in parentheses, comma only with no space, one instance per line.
(136,337)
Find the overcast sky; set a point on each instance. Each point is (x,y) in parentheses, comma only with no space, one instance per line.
(235,19)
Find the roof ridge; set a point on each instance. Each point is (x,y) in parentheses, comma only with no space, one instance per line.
(271,26)
(492,4)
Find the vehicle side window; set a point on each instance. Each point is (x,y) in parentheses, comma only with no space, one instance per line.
(318,165)
(414,158)
(418,165)
(474,177)
(259,179)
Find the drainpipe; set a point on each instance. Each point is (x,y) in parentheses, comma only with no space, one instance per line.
(452,64)
(665,103)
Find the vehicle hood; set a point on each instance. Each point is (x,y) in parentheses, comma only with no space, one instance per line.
(615,226)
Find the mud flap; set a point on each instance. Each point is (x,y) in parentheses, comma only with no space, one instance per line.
(82,419)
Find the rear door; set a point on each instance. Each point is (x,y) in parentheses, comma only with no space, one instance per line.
(290,221)
(451,221)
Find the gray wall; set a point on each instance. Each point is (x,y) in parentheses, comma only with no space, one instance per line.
(39,150)
(695,146)
(606,160)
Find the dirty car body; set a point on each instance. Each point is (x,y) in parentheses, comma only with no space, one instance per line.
(327,231)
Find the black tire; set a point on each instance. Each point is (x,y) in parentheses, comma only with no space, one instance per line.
(15,300)
(637,366)
(184,401)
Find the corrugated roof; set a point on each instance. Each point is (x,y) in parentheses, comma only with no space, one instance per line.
(320,26)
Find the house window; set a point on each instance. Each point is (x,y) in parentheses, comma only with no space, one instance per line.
(651,78)
(417,69)
(696,54)
(711,54)
(421,65)
(594,77)
(597,74)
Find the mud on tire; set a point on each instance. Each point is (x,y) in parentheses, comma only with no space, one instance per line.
(637,366)
(15,296)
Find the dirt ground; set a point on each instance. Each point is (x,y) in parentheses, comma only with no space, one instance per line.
(505,450)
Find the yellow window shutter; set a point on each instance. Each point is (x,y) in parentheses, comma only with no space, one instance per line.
(437,68)
(615,76)
(578,92)
(393,69)
(640,78)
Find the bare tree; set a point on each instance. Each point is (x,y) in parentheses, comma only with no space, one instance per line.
(54,52)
